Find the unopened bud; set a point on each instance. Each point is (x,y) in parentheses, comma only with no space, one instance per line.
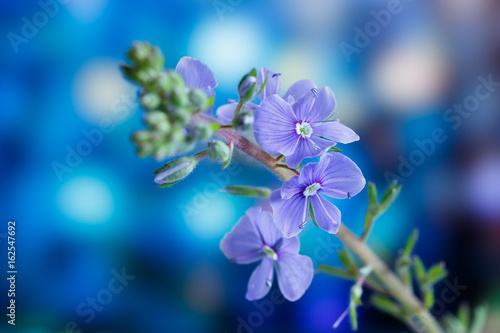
(219,151)
(199,99)
(150,101)
(179,96)
(248,87)
(175,171)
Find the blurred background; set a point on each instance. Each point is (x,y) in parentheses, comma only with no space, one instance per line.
(419,85)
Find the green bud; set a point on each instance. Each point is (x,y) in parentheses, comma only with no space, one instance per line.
(248,87)
(166,81)
(182,115)
(244,121)
(179,96)
(206,130)
(139,51)
(154,117)
(198,99)
(164,150)
(248,191)
(141,136)
(145,149)
(175,171)
(218,151)
(151,101)
(176,134)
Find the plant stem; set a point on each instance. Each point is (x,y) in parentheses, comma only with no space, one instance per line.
(390,281)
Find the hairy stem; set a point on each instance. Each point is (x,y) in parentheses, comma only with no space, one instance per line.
(420,316)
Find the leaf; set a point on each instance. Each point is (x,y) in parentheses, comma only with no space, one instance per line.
(463,314)
(347,260)
(248,191)
(410,244)
(479,321)
(338,272)
(429,298)
(354,318)
(390,195)
(435,274)
(419,268)
(334,150)
(372,195)
(388,306)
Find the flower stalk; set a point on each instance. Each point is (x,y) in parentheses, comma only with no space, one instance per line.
(414,307)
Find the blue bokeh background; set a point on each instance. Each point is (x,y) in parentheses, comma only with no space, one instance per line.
(62,92)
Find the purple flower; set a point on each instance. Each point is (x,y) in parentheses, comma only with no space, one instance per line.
(335,175)
(301,129)
(255,237)
(197,75)
(225,113)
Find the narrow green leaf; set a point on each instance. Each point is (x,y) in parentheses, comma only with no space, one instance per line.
(410,244)
(372,195)
(334,271)
(429,298)
(419,268)
(388,306)
(435,274)
(463,314)
(354,318)
(347,260)
(389,197)
(248,191)
(479,321)
(334,150)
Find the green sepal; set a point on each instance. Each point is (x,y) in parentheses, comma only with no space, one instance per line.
(388,306)
(334,150)
(390,195)
(231,149)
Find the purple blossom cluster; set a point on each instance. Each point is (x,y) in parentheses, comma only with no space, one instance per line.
(297,125)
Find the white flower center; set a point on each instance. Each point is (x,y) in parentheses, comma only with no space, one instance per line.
(304,129)
(311,189)
(270,253)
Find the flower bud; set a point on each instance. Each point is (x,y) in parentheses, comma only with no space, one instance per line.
(205,130)
(244,121)
(179,96)
(168,80)
(150,101)
(154,117)
(141,136)
(139,51)
(218,151)
(198,99)
(175,171)
(248,88)
(145,149)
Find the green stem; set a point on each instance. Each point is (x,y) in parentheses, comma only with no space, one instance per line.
(389,280)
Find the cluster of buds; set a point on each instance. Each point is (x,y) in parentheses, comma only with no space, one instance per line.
(169,105)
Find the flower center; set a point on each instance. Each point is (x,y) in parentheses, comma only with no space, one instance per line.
(304,129)
(311,189)
(270,253)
